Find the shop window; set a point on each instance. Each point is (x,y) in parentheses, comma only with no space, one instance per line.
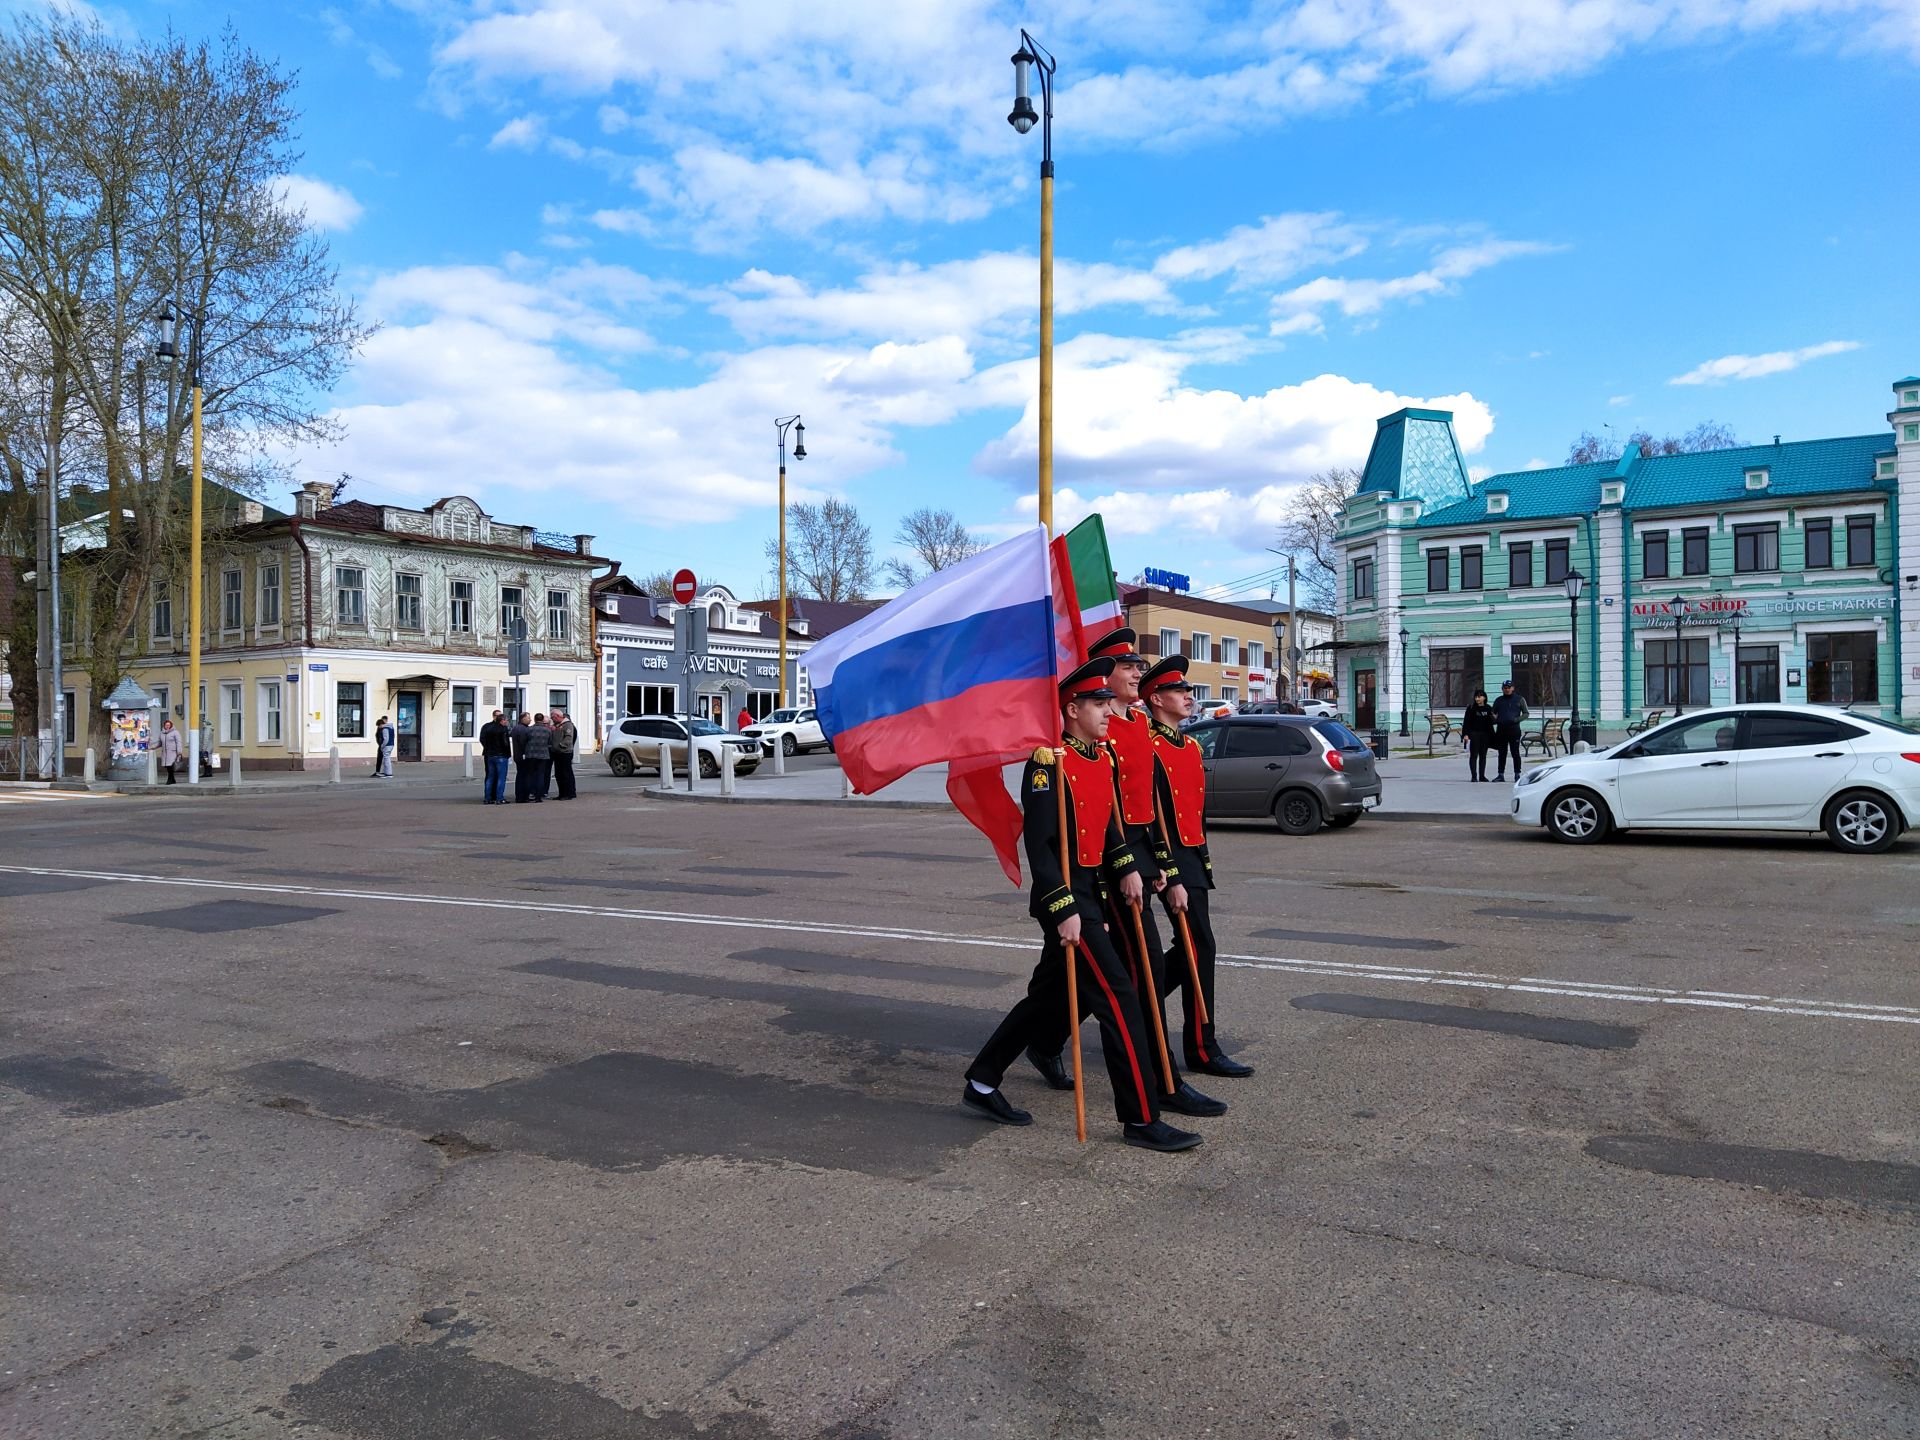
(1363,578)
(1693,552)
(1843,669)
(1859,540)
(1557,563)
(650,699)
(1439,563)
(408,595)
(1756,548)
(1654,564)
(1540,674)
(1756,675)
(463,712)
(1819,545)
(350,710)
(1453,675)
(1520,565)
(1675,673)
(1471,557)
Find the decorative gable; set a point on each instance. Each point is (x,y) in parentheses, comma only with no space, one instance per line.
(1414,457)
(458,518)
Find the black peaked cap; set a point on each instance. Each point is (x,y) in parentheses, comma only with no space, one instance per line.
(1089,682)
(1167,674)
(1122,644)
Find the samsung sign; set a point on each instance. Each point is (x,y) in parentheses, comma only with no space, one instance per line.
(1167,579)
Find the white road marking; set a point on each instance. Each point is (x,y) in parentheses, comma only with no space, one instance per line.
(1341,969)
(55,797)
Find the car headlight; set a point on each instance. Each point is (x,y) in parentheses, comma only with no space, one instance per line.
(1536,775)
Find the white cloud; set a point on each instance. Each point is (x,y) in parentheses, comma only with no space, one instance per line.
(1752,367)
(1128,424)
(1303,308)
(326,206)
(1279,246)
(1618,400)
(988,294)
(524,133)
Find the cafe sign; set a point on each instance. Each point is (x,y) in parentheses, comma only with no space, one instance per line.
(1739,609)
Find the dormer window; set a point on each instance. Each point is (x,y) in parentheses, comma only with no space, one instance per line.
(716,616)
(1885,470)
(1612,493)
(1910,399)
(1757,478)
(1496,502)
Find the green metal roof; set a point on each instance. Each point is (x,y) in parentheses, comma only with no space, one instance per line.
(1531,495)
(1801,467)
(1414,457)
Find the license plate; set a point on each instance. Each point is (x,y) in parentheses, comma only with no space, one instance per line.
(1368,802)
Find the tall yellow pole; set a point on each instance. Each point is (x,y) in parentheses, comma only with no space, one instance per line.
(193,605)
(1046,346)
(783,580)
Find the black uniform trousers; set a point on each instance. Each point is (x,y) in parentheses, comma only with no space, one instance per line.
(1039,1020)
(1051,1038)
(1177,976)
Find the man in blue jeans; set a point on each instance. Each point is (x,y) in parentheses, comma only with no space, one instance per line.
(496,750)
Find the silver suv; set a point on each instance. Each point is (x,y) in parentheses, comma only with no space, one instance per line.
(1302,770)
(635,745)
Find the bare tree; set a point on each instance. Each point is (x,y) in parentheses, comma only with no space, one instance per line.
(937,540)
(829,551)
(136,177)
(1707,435)
(1310,532)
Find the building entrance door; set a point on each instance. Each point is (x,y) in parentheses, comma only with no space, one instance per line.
(406,725)
(1365,707)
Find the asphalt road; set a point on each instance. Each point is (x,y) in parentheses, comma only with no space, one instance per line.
(382,1114)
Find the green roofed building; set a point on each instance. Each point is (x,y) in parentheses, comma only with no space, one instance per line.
(1788,571)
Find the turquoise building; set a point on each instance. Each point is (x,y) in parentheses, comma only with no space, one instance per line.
(1788,571)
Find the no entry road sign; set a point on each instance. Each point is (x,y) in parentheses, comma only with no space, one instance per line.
(683,587)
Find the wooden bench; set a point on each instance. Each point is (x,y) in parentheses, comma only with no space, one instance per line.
(1646,722)
(1550,734)
(1440,725)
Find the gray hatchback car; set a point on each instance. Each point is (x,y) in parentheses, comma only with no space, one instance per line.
(1302,770)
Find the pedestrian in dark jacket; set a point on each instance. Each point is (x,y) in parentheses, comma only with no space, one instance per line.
(1508,711)
(522,774)
(566,739)
(539,757)
(1476,728)
(496,752)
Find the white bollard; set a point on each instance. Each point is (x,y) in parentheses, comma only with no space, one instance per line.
(779,756)
(193,756)
(726,769)
(86,766)
(466,759)
(666,765)
(153,765)
(233,770)
(846,786)
(333,758)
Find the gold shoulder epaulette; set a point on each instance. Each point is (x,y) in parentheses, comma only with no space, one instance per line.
(1043,756)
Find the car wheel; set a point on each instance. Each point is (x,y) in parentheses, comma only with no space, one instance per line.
(829,747)
(1578,817)
(1862,822)
(709,767)
(620,762)
(1297,812)
(788,747)
(1341,822)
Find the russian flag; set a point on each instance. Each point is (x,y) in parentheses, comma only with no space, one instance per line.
(958,669)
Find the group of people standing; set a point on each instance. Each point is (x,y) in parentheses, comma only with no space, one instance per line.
(540,748)
(1495,727)
(1134,827)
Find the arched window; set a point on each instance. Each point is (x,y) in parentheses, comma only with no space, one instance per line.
(716,616)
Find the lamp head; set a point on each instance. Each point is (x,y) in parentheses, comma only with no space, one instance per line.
(800,440)
(1024,116)
(1405,634)
(1574,583)
(166,350)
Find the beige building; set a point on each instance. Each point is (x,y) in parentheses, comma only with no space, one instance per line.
(315,624)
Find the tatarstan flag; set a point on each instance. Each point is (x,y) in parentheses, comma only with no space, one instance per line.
(1092,570)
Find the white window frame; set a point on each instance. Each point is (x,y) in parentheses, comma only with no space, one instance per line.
(262,590)
(162,596)
(1256,655)
(358,620)
(1201,652)
(560,617)
(1169,641)
(233,591)
(518,608)
(233,712)
(418,625)
(1229,650)
(271,725)
(456,625)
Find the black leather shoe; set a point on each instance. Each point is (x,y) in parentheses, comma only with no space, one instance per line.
(1052,1069)
(1224,1065)
(994,1106)
(1189,1101)
(1159,1136)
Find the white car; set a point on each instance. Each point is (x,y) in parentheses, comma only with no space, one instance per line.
(635,745)
(792,730)
(1737,767)
(1323,709)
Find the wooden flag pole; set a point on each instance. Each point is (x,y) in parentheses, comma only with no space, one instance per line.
(1073,967)
(1151,998)
(1186,939)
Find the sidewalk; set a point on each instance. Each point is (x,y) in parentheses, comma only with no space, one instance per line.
(289,782)
(1414,788)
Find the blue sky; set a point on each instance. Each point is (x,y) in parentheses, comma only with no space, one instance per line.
(609,240)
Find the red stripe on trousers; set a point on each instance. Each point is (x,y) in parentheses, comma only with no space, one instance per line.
(1120,1024)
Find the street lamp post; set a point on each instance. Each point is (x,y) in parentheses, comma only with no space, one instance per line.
(168,350)
(1679,686)
(1404,731)
(1738,698)
(1032,56)
(1575,582)
(799,453)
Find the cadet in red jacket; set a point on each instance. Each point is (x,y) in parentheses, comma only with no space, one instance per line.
(1180,781)
(1130,738)
(1072,909)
